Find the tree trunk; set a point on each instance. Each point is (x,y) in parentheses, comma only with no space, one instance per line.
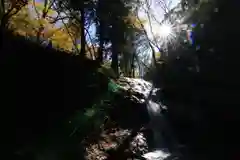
(2,8)
(114,64)
(115,46)
(154,61)
(44,14)
(83,40)
(39,33)
(132,66)
(101,42)
(100,52)
(100,15)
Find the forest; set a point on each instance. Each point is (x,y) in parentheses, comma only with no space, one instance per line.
(119,79)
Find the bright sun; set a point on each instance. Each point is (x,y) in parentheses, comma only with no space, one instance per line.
(165,30)
(166,34)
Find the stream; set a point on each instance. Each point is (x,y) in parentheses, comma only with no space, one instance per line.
(164,141)
(165,145)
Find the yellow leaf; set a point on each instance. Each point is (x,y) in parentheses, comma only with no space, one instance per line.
(158,54)
(43,21)
(78,46)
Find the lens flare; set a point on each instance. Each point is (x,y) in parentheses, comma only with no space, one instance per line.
(165,30)
(166,34)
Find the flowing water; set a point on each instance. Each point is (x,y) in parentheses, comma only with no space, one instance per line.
(163,137)
(164,142)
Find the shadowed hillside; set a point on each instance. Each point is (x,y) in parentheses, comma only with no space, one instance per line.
(40,86)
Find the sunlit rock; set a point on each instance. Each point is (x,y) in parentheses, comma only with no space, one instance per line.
(156,155)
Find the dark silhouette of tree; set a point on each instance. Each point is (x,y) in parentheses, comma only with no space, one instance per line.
(199,81)
(6,13)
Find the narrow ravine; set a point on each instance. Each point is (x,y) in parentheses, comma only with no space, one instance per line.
(103,134)
(164,145)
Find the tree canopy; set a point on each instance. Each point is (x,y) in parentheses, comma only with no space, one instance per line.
(109,31)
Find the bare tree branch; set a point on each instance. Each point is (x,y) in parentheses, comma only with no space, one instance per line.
(50,6)
(6,16)
(62,19)
(59,18)
(149,41)
(35,8)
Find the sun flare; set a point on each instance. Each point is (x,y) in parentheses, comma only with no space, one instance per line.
(165,30)
(166,34)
